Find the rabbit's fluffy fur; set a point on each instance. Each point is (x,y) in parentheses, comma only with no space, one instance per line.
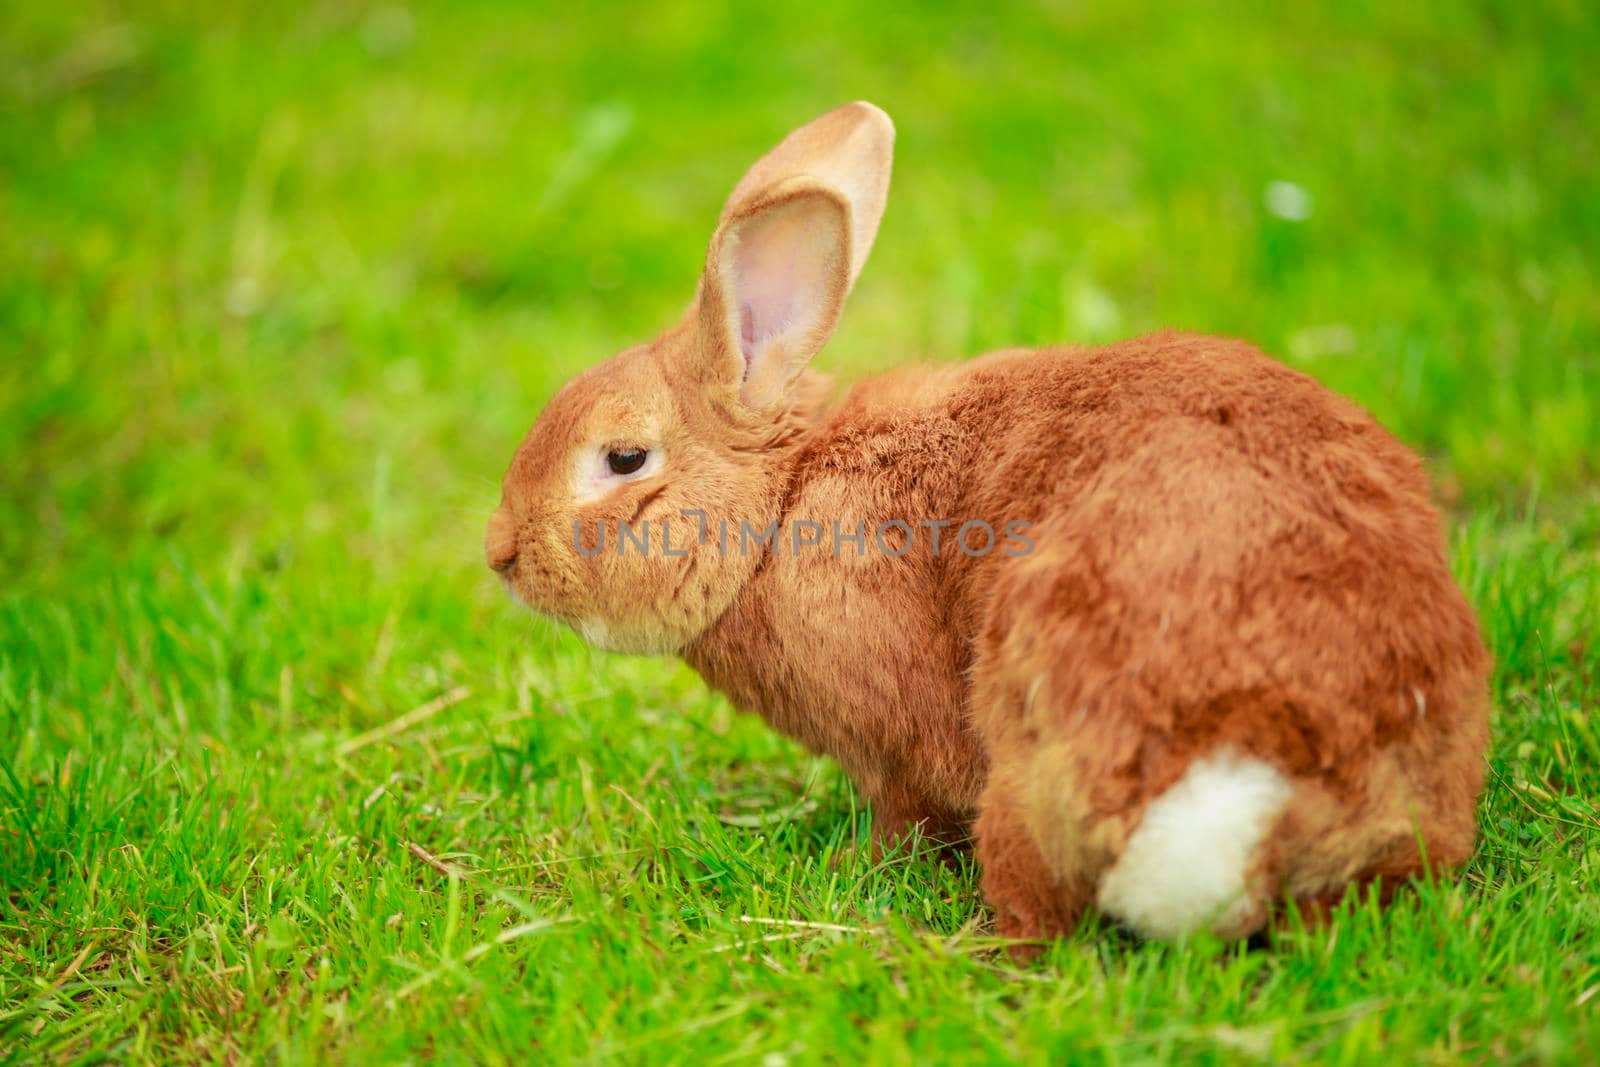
(1230,670)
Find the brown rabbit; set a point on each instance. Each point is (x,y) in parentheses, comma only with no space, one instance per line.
(1168,620)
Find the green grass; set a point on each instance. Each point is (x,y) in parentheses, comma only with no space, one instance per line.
(281,287)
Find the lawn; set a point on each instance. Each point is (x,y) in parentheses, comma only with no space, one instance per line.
(284,776)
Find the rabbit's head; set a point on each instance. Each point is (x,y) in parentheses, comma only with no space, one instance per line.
(623,510)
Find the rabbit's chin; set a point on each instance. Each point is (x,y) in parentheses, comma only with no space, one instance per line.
(631,640)
(637,639)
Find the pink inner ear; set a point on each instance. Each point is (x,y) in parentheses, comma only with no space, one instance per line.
(780,271)
(747,336)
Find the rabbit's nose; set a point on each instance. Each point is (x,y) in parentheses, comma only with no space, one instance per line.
(500,542)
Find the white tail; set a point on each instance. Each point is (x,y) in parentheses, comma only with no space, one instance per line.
(1186,865)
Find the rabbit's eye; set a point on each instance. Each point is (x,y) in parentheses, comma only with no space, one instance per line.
(626,461)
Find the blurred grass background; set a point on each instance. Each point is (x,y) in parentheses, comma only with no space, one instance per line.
(282,285)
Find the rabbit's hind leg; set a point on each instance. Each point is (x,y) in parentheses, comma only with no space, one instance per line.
(1031,900)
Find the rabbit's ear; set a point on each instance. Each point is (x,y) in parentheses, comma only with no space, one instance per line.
(792,239)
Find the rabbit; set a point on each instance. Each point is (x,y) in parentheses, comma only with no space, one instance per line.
(1165,629)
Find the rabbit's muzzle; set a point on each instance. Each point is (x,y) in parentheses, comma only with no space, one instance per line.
(500,542)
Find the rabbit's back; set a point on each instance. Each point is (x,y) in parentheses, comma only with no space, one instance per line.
(1172,462)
